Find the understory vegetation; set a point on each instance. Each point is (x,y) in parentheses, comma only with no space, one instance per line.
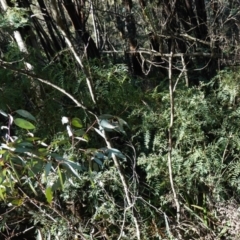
(104,137)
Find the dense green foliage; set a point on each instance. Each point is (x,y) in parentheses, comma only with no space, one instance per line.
(125,143)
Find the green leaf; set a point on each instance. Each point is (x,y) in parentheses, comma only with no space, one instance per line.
(25,144)
(57,184)
(60,177)
(49,195)
(79,132)
(106,125)
(70,167)
(57,157)
(75,165)
(22,123)
(17,202)
(42,151)
(122,122)
(114,151)
(48,168)
(3,113)
(2,192)
(105,116)
(26,114)
(31,186)
(22,150)
(106,216)
(98,161)
(76,122)
(99,132)
(32,139)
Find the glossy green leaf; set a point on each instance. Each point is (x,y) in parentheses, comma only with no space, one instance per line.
(116,152)
(106,125)
(26,114)
(22,123)
(76,122)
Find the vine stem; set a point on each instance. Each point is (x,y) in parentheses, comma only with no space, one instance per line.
(170,131)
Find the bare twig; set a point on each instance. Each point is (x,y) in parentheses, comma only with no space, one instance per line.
(170,143)
(183,71)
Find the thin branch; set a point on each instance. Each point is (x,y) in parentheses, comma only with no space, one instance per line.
(170,143)
(183,71)
(154,53)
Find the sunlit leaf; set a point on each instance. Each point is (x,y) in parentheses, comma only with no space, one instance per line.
(49,195)
(76,122)
(99,132)
(114,151)
(81,139)
(85,136)
(26,114)
(22,123)
(106,125)
(3,113)
(72,169)
(75,165)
